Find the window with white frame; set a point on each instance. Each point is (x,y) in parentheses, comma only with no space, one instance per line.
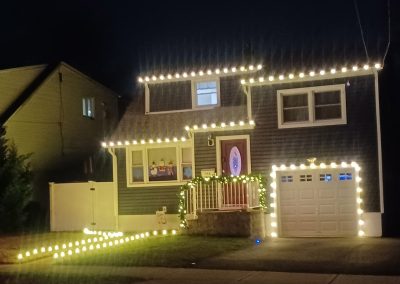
(205,93)
(313,106)
(88,107)
(159,164)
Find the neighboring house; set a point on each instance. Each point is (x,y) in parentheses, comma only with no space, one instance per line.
(58,114)
(313,133)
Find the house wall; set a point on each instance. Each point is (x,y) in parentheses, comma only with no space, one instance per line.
(50,125)
(178,95)
(145,200)
(14,81)
(355,141)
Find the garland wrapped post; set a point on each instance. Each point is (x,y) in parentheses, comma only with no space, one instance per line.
(222,180)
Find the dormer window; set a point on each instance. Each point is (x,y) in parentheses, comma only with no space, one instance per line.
(205,93)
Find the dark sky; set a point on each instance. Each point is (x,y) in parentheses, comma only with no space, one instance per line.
(114,41)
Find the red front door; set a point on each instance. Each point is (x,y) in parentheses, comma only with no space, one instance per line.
(234,162)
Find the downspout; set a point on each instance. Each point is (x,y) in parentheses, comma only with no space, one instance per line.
(379,141)
(115,186)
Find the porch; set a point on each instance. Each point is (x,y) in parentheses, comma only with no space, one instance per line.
(224,206)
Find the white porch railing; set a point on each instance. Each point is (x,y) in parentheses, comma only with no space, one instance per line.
(214,195)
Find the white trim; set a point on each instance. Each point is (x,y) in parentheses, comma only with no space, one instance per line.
(144,149)
(310,91)
(195,106)
(115,184)
(249,106)
(379,141)
(146,99)
(232,137)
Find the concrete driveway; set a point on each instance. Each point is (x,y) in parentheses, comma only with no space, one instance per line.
(377,256)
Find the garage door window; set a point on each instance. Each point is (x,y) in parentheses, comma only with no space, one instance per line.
(325,177)
(287,179)
(345,176)
(305,177)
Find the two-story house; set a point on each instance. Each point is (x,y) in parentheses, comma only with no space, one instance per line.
(314,134)
(58,114)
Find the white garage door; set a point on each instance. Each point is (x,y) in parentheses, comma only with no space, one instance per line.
(317,202)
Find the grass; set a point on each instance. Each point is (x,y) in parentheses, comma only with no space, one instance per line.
(171,251)
(52,278)
(11,245)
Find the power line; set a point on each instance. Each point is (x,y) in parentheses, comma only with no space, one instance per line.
(387,47)
(361,29)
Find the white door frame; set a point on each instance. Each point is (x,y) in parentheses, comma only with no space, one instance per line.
(232,137)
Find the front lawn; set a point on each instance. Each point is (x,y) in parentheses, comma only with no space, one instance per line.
(11,245)
(169,251)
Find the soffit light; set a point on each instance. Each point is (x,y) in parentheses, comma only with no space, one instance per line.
(312,73)
(225,70)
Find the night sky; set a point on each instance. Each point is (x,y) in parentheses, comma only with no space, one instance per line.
(115,41)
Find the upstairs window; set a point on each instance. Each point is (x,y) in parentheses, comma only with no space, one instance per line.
(88,107)
(313,106)
(205,93)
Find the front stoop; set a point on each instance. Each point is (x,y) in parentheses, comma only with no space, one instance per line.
(229,223)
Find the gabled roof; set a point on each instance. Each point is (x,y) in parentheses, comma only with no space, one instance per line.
(15,98)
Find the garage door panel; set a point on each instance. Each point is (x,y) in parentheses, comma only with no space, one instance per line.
(307,194)
(327,209)
(327,193)
(329,226)
(289,210)
(318,202)
(307,210)
(288,195)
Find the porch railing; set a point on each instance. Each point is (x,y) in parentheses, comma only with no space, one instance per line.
(214,195)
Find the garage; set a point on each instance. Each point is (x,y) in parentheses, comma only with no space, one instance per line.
(317,202)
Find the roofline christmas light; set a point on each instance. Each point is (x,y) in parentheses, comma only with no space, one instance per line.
(333,165)
(355,70)
(231,125)
(121,144)
(153,79)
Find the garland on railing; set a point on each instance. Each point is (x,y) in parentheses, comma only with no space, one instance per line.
(223,180)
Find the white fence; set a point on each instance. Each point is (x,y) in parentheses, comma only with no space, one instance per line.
(74,206)
(214,195)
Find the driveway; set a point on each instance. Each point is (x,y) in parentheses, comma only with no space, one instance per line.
(377,256)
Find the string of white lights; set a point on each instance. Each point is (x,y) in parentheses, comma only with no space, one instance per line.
(186,75)
(221,126)
(119,144)
(310,74)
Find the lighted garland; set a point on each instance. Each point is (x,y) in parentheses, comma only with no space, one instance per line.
(222,180)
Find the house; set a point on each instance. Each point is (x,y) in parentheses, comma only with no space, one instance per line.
(313,134)
(57,114)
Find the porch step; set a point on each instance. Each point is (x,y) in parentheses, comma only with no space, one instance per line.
(233,223)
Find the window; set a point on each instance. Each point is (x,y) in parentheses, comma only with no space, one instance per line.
(313,106)
(159,164)
(286,178)
(205,93)
(345,176)
(88,107)
(325,177)
(186,165)
(137,166)
(305,177)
